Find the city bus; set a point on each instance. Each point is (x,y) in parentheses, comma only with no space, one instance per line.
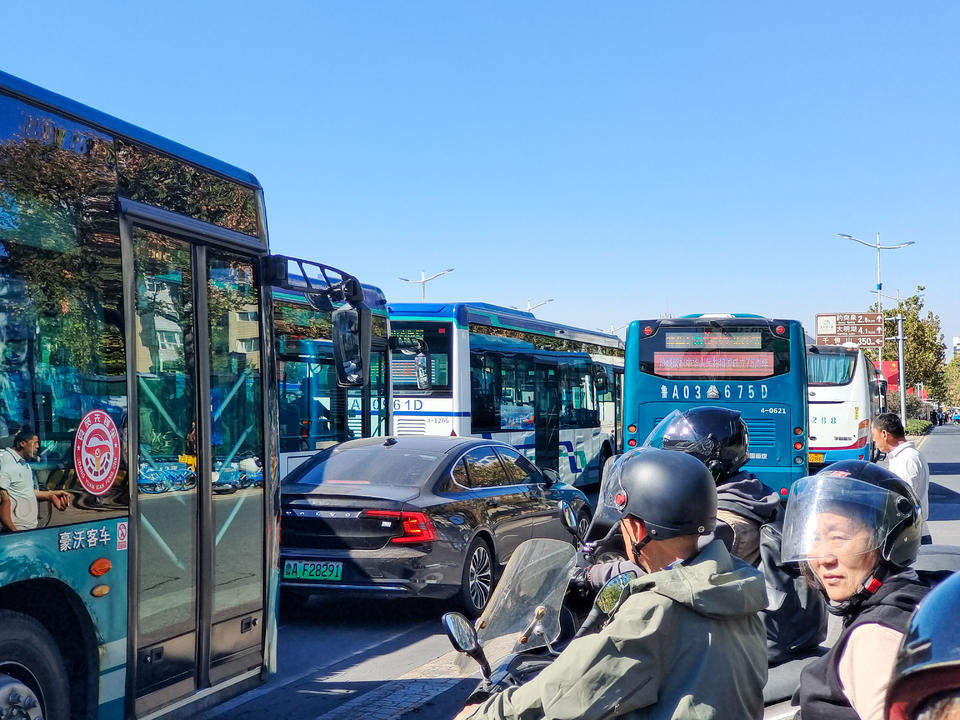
(136,332)
(552,391)
(314,411)
(844,397)
(744,362)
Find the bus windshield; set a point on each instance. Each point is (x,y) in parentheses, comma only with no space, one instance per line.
(715,352)
(831,368)
(438,338)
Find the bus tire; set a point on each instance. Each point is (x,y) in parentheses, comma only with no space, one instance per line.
(29,654)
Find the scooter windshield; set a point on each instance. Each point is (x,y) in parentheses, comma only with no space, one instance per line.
(537,574)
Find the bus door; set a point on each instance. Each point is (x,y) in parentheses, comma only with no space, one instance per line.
(618,410)
(198,433)
(546,415)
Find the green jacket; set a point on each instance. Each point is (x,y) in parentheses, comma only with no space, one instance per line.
(686,643)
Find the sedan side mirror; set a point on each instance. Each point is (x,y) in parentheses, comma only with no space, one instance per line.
(551,476)
(463,637)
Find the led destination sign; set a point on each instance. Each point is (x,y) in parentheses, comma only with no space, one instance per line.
(712,340)
(714,364)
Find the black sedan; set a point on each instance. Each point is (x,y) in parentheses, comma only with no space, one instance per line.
(416,516)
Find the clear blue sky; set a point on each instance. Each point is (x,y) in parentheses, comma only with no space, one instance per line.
(626,158)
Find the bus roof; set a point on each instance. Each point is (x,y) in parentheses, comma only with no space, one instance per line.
(464,313)
(114,126)
(720,316)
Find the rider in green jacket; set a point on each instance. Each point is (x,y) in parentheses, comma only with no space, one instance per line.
(686,640)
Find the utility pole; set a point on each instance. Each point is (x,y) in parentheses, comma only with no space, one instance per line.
(533,306)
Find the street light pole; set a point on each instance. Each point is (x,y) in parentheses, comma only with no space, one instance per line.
(422,282)
(901,339)
(531,306)
(883,322)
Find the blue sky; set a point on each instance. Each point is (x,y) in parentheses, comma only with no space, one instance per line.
(625,158)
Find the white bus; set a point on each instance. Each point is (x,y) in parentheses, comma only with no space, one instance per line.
(552,391)
(845,394)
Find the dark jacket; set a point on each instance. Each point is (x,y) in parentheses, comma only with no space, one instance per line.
(686,643)
(745,495)
(821,695)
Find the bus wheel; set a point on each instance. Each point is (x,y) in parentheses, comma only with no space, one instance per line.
(33,680)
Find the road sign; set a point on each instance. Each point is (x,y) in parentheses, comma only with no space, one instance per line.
(863,329)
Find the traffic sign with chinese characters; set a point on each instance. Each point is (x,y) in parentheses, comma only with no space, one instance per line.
(863,329)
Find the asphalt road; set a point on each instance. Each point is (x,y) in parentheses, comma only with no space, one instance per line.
(384,660)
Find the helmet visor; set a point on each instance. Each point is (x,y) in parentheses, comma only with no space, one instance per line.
(831,515)
(677,432)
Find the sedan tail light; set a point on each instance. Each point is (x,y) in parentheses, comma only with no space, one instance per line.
(416,526)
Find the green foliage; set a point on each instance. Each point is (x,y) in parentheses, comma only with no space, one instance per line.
(914,404)
(923,349)
(917,427)
(952,382)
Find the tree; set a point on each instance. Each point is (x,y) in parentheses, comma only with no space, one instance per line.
(952,382)
(923,348)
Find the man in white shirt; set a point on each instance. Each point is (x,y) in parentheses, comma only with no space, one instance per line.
(18,495)
(904,460)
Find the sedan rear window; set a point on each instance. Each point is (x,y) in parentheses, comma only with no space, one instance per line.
(367,465)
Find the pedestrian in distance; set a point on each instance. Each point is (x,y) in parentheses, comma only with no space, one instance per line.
(855,526)
(926,678)
(904,460)
(19,497)
(686,640)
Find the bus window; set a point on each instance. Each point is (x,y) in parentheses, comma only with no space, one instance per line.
(61,344)
(577,402)
(831,368)
(438,337)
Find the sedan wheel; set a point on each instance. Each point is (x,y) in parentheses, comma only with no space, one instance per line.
(477,583)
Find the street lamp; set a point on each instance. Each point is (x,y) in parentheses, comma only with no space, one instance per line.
(878,247)
(422,282)
(532,306)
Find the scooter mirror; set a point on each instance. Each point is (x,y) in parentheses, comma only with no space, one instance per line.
(463,637)
(569,519)
(610,594)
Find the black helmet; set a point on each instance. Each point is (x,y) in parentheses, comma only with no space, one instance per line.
(878,499)
(716,436)
(928,662)
(672,493)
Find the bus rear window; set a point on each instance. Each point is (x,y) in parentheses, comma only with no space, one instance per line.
(710,353)
(439,340)
(831,368)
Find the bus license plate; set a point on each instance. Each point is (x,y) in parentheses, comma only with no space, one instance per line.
(302,570)
(816,458)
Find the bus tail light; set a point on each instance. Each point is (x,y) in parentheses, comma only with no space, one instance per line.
(416,526)
(648,330)
(100,566)
(631,428)
(862,442)
(632,442)
(798,431)
(798,445)
(784,492)
(781,329)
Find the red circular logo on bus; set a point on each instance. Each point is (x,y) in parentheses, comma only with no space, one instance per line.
(96,452)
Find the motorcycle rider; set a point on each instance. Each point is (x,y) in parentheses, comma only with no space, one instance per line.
(855,526)
(718,437)
(926,678)
(686,640)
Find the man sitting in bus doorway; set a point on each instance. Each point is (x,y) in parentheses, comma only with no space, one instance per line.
(18,493)
(904,460)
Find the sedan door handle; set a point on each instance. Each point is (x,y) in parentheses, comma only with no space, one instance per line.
(492,502)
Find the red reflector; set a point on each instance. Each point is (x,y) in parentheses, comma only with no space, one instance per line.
(781,329)
(798,446)
(862,442)
(631,428)
(100,566)
(784,491)
(416,526)
(453,433)
(647,330)
(632,442)
(441,331)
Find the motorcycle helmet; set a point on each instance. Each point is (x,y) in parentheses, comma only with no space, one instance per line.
(672,493)
(927,668)
(716,436)
(880,512)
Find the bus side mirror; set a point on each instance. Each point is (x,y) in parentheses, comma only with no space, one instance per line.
(351,344)
(421,358)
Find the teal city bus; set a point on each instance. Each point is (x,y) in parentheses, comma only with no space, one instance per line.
(136,344)
(745,362)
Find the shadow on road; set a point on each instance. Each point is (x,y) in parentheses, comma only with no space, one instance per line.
(364,612)
(944,502)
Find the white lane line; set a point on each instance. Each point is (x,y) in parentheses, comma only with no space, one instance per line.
(271,687)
